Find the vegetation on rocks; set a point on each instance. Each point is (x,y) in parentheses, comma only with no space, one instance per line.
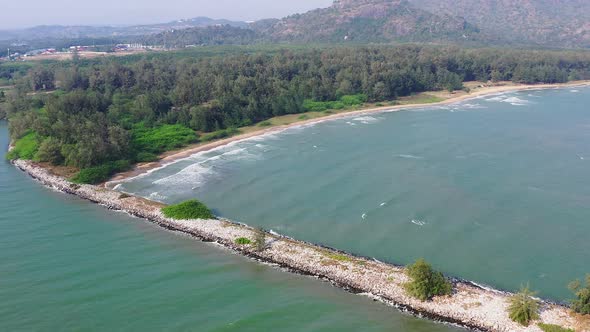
(189,210)
(581,303)
(553,328)
(243,241)
(523,307)
(426,282)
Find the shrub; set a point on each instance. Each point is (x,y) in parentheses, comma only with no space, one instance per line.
(523,307)
(100,173)
(188,210)
(426,282)
(50,151)
(146,157)
(352,100)
(265,124)
(553,328)
(303,117)
(163,138)
(243,241)
(25,148)
(220,134)
(581,304)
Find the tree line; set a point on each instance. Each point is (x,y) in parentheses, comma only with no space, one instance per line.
(101,111)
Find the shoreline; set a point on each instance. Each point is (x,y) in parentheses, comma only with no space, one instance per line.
(175,155)
(471,306)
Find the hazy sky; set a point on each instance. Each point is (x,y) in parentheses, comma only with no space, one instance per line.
(26,13)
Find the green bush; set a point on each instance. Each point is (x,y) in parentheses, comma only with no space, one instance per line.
(188,210)
(100,173)
(220,134)
(265,124)
(523,307)
(160,139)
(50,151)
(25,148)
(352,100)
(243,241)
(553,328)
(303,117)
(426,282)
(581,304)
(146,157)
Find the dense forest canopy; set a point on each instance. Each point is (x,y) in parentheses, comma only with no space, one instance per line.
(90,113)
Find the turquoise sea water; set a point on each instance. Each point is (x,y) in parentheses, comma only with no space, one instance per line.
(495,189)
(69,265)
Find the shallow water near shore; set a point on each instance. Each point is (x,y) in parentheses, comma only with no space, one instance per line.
(70,265)
(494,189)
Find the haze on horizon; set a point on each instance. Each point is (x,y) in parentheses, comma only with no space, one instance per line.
(23,14)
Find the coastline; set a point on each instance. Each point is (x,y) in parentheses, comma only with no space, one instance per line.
(172,156)
(470,305)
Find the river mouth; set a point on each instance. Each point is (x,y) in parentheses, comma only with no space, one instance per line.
(498,181)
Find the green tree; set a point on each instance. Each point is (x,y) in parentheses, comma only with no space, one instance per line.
(581,304)
(50,151)
(523,307)
(426,282)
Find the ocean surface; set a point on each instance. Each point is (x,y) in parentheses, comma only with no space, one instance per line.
(69,265)
(494,189)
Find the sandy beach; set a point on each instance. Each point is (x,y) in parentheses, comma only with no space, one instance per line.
(478,90)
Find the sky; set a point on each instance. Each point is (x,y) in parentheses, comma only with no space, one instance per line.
(15,14)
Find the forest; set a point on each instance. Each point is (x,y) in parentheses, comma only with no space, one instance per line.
(104,115)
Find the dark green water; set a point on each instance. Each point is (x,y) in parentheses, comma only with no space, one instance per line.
(495,190)
(68,265)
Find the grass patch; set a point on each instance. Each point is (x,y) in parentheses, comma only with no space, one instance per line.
(265,124)
(339,257)
(101,173)
(229,132)
(243,241)
(422,98)
(188,210)
(553,328)
(25,148)
(311,105)
(303,117)
(160,139)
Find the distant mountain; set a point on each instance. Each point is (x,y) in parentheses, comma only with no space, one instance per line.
(562,23)
(76,32)
(367,21)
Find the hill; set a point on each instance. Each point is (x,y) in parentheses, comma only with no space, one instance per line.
(561,23)
(78,32)
(367,21)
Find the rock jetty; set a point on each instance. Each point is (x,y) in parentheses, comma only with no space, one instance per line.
(469,305)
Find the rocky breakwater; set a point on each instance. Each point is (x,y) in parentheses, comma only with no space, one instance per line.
(469,305)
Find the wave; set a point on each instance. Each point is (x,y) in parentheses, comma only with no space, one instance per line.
(409,156)
(194,174)
(574,91)
(418,222)
(366,119)
(515,101)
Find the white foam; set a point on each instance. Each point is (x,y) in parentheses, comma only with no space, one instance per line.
(157,197)
(574,91)
(364,216)
(383,204)
(515,101)
(366,119)
(418,222)
(409,156)
(194,174)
